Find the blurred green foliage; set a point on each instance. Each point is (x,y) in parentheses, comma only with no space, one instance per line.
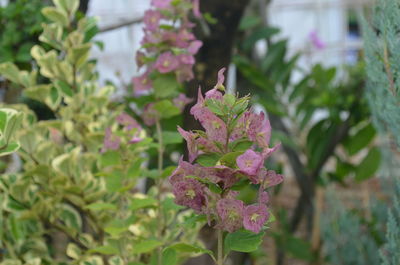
(319,115)
(20,26)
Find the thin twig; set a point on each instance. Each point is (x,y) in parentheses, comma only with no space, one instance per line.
(388,70)
(121,25)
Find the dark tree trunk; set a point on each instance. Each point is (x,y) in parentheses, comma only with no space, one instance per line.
(83,6)
(217,46)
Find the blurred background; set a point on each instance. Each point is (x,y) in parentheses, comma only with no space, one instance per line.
(303,63)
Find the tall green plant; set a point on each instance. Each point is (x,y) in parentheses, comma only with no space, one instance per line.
(382,58)
(309,141)
(390,253)
(383,91)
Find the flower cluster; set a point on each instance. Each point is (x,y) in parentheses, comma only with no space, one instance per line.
(230,152)
(131,128)
(168,45)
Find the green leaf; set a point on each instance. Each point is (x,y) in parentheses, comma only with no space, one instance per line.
(165,86)
(64,88)
(276,53)
(191,221)
(253,74)
(68,6)
(78,55)
(9,148)
(56,15)
(166,109)
(169,257)
(71,217)
(114,181)
(296,247)
(110,158)
(215,106)
(369,165)
(10,71)
(248,22)
(115,231)
(241,145)
(262,33)
(73,251)
(107,250)
(99,206)
(208,160)
(115,260)
(146,246)
(243,241)
(188,248)
(171,137)
(167,172)
(139,203)
(360,140)
(229,159)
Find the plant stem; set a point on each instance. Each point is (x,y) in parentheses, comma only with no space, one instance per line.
(220,260)
(159,184)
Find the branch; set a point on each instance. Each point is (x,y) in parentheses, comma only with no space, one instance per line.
(121,24)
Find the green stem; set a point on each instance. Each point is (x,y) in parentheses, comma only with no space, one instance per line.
(159,184)
(220,260)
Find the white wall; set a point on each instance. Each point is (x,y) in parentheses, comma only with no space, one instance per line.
(118,57)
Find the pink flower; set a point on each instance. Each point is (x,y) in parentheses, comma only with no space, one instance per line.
(270,178)
(258,129)
(194,46)
(166,62)
(316,41)
(215,128)
(127,121)
(130,123)
(162,4)
(183,38)
(214,94)
(230,212)
(186,59)
(150,115)
(223,176)
(190,139)
(184,169)
(141,84)
(263,196)
(189,192)
(267,152)
(151,37)
(206,145)
(181,101)
(151,19)
(184,73)
(254,217)
(250,162)
(196,8)
(221,79)
(111,142)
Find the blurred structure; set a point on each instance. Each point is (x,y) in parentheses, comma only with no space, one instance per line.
(121,32)
(303,22)
(333,22)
